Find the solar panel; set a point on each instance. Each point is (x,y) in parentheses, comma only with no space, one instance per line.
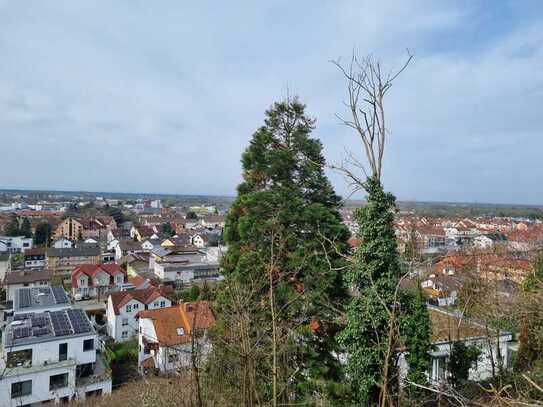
(79,320)
(21,317)
(22,332)
(40,331)
(25,300)
(61,324)
(60,295)
(39,320)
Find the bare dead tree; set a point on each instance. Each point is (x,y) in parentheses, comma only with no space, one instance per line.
(367,86)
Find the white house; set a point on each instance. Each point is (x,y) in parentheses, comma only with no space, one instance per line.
(49,355)
(123,308)
(182,266)
(62,243)
(15,244)
(166,336)
(447,328)
(34,258)
(96,280)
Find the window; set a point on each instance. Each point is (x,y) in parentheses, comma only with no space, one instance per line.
(21,389)
(20,358)
(62,351)
(124,322)
(162,304)
(58,381)
(155,304)
(124,334)
(180,331)
(129,308)
(88,344)
(172,357)
(136,306)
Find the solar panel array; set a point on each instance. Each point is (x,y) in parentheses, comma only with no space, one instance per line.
(22,332)
(25,299)
(39,320)
(79,320)
(61,323)
(21,317)
(60,295)
(39,331)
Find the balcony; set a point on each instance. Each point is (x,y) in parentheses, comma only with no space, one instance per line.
(100,372)
(36,368)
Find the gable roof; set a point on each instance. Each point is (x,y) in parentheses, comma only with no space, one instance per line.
(144,296)
(188,316)
(91,270)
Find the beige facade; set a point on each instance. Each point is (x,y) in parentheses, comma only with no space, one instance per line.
(69,228)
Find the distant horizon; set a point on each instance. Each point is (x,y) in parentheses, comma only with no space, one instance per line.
(125,95)
(233,196)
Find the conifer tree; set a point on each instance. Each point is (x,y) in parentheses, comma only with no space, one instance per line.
(13,227)
(286,247)
(26,228)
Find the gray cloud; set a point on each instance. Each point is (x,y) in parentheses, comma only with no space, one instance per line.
(129,96)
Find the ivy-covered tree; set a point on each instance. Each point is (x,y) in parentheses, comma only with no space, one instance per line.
(377,313)
(26,228)
(415,331)
(286,247)
(530,353)
(462,358)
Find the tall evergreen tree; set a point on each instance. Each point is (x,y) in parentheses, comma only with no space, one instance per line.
(26,228)
(285,254)
(13,227)
(43,233)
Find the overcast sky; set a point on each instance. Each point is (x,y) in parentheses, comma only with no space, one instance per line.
(163,96)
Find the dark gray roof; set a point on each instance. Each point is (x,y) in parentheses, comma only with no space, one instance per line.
(130,245)
(80,251)
(21,277)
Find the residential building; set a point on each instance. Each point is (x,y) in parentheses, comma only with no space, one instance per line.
(49,352)
(62,243)
(135,263)
(123,308)
(26,278)
(14,244)
(168,335)
(448,327)
(97,280)
(70,228)
(126,247)
(34,258)
(182,265)
(63,261)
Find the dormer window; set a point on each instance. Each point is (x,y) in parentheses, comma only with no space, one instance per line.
(129,308)
(180,331)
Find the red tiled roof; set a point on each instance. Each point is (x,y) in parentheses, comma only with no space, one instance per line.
(144,296)
(92,269)
(188,316)
(35,251)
